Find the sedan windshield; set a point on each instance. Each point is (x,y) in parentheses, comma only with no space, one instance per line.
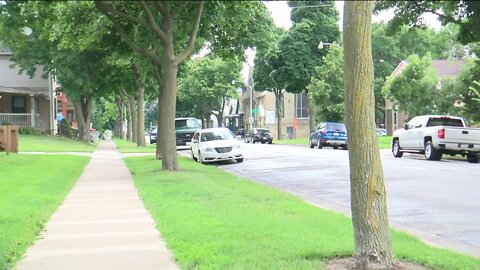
(216,135)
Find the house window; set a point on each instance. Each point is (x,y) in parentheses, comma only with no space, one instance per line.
(19,105)
(301,109)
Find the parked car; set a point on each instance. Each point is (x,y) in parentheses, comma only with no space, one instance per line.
(241,133)
(215,144)
(262,135)
(185,128)
(153,136)
(381,132)
(329,134)
(435,135)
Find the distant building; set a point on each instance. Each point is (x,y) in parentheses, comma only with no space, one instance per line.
(261,112)
(446,69)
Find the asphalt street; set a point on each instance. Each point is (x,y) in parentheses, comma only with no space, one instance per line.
(437,201)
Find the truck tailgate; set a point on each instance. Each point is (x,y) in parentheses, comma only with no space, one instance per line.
(462,135)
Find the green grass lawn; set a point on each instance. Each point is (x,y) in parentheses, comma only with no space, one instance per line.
(130,147)
(31,188)
(213,220)
(384,142)
(50,143)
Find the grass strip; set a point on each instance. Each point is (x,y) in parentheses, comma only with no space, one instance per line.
(130,147)
(50,143)
(31,188)
(211,219)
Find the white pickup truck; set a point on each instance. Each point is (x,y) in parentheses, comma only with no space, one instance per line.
(435,135)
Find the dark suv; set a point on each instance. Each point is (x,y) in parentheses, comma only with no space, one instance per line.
(185,128)
(262,135)
(329,134)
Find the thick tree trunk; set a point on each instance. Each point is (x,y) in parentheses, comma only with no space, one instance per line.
(278,112)
(140,111)
(373,248)
(166,121)
(83,109)
(133,117)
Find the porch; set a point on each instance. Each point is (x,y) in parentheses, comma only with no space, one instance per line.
(25,110)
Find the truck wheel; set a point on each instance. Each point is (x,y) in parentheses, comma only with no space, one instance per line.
(396,149)
(472,158)
(431,153)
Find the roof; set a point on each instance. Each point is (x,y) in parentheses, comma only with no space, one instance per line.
(448,68)
(444,68)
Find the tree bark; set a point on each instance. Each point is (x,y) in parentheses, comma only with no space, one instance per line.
(310,114)
(166,122)
(128,116)
(140,111)
(279,107)
(83,109)
(373,248)
(158,149)
(120,121)
(133,117)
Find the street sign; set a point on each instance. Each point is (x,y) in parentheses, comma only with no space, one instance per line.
(255,110)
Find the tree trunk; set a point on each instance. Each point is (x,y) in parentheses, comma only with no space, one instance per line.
(133,117)
(128,115)
(166,122)
(83,109)
(158,149)
(310,114)
(140,111)
(279,107)
(119,121)
(373,248)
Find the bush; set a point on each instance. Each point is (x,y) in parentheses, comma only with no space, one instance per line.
(29,131)
(5,123)
(66,129)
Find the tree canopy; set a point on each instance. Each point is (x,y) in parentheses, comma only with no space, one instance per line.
(326,88)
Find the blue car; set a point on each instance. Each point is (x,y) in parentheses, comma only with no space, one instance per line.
(329,134)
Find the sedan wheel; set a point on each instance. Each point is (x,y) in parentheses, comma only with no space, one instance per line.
(310,143)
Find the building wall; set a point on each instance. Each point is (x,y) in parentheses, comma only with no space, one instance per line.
(43,119)
(11,77)
(267,101)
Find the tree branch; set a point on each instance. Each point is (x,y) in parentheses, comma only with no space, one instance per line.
(151,22)
(152,56)
(108,8)
(189,50)
(179,9)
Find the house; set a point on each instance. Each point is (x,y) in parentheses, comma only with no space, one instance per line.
(446,69)
(259,109)
(25,101)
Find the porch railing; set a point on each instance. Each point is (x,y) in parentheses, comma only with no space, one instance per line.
(20,119)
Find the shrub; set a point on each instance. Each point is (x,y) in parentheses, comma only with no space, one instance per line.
(66,129)
(5,123)
(29,131)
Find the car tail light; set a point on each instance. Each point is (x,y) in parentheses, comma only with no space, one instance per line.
(441,133)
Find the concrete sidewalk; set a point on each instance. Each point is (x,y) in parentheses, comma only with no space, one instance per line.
(102,224)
